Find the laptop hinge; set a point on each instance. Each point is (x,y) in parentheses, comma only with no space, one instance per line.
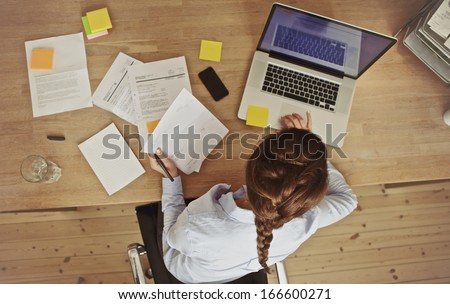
(306,64)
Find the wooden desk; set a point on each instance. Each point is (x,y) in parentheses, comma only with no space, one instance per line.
(396,132)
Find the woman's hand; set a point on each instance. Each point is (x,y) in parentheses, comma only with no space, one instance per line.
(295,120)
(170,165)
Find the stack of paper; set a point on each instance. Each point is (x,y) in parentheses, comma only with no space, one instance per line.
(428,37)
(141,93)
(96,23)
(156,96)
(439,22)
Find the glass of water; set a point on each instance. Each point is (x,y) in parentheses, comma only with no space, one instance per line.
(37,169)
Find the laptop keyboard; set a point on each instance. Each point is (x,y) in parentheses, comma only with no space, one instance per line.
(301,87)
(318,47)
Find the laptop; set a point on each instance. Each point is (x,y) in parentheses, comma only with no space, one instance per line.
(307,62)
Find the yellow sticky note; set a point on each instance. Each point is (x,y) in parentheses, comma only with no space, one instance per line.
(257,116)
(210,50)
(41,59)
(151,125)
(99,20)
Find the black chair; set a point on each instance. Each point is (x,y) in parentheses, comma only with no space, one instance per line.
(150,224)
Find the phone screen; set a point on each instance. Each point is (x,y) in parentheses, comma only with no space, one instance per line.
(213,83)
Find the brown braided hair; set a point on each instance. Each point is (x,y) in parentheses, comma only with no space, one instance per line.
(286,176)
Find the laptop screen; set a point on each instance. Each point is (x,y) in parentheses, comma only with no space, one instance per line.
(321,41)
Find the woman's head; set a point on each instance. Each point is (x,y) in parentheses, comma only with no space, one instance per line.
(286,176)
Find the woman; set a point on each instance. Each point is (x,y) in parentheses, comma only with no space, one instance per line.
(291,191)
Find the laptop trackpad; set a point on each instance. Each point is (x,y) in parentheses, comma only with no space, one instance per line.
(287,108)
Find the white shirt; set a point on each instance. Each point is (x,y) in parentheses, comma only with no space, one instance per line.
(214,241)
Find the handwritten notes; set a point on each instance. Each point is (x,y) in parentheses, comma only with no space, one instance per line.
(187,133)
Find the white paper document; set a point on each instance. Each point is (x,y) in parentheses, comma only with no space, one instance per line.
(187,133)
(111,159)
(113,93)
(66,86)
(154,86)
(440,21)
(447,43)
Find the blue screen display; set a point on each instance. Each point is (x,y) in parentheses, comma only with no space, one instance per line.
(322,41)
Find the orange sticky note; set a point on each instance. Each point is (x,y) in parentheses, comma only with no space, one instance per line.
(41,59)
(151,125)
(257,116)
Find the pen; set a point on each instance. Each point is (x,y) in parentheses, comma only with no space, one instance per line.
(56,137)
(161,164)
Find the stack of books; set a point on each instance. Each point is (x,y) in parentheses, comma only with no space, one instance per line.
(428,37)
(96,23)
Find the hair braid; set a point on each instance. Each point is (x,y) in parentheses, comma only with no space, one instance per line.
(263,240)
(286,176)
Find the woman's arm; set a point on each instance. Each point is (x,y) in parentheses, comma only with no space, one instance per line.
(172,201)
(339,201)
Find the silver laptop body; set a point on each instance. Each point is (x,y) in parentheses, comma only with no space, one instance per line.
(307,62)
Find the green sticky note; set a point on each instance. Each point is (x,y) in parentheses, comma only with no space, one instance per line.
(88,31)
(87,28)
(210,50)
(257,116)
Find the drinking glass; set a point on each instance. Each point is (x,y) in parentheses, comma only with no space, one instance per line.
(37,169)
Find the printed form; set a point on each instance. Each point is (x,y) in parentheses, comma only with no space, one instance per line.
(154,86)
(66,85)
(113,93)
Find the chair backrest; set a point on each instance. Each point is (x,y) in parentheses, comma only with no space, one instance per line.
(150,223)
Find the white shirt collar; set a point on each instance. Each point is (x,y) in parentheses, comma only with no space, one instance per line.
(228,203)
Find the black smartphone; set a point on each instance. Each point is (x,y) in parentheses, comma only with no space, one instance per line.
(213,83)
